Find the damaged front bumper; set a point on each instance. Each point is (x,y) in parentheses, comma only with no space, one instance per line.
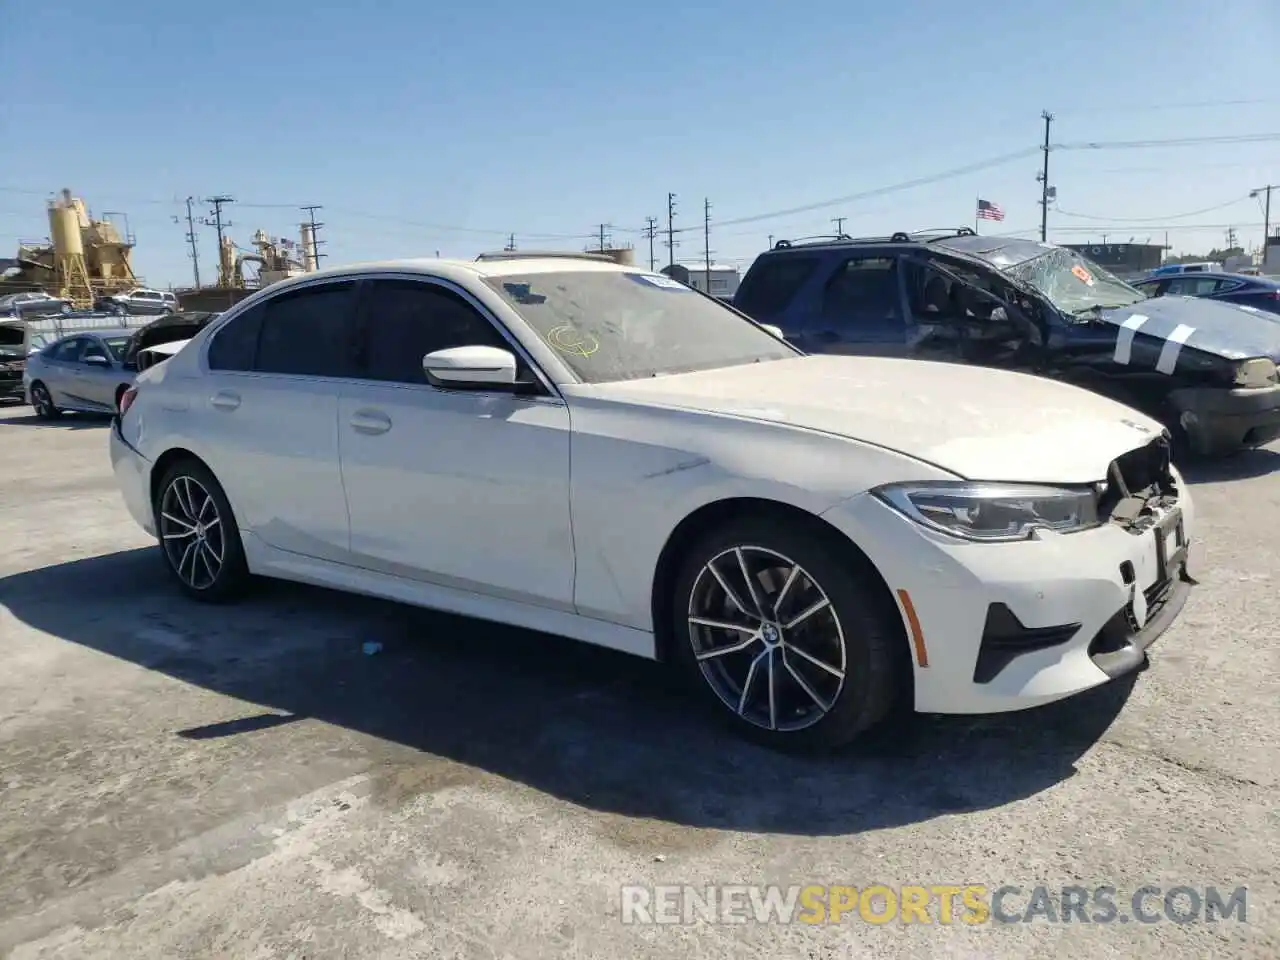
(996,627)
(1220,421)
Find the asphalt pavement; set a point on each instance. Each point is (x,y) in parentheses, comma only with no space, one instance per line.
(309,774)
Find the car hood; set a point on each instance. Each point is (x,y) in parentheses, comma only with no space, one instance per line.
(1224,329)
(975,422)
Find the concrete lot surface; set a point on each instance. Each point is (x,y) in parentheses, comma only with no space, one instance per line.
(184,781)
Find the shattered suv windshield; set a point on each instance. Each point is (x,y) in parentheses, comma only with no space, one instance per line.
(1073,283)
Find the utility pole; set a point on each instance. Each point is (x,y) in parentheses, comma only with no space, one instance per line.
(603,243)
(839,222)
(1231,238)
(1043,177)
(1266,215)
(511,244)
(671,229)
(191,239)
(316,242)
(771,241)
(224,272)
(651,232)
(706,243)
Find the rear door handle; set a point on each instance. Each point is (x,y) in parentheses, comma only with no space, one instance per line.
(370,421)
(225,400)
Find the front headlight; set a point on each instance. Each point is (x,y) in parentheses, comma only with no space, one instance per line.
(993,512)
(1258,372)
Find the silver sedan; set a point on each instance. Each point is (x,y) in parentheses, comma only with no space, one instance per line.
(83,372)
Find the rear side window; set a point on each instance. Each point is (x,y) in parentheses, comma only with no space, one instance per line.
(235,346)
(309,332)
(864,288)
(771,283)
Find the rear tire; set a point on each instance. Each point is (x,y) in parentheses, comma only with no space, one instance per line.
(198,535)
(801,657)
(42,402)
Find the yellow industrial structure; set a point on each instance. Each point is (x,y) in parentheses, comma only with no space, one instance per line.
(85,259)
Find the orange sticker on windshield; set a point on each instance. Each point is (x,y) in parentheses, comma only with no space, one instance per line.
(1083,274)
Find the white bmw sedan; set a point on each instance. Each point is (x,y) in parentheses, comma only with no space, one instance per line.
(561,443)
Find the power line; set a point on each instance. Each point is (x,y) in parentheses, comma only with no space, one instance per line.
(1177,142)
(891,188)
(1167,216)
(1185,105)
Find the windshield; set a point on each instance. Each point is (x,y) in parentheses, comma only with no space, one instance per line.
(11,336)
(117,347)
(1075,284)
(612,325)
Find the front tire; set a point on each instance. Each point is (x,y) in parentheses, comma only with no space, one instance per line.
(198,534)
(42,402)
(792,642)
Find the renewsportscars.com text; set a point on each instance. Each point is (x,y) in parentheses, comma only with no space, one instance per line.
(943,904)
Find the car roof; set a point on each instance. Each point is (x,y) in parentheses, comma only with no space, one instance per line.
(1000,252)
(461,271)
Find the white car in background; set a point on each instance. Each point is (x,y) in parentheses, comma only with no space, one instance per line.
(565,444)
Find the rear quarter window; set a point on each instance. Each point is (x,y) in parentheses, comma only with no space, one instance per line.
(772,283)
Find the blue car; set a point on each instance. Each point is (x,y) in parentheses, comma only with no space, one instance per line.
(1258,293)
(1205,369)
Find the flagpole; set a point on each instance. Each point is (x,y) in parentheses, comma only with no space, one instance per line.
(976,201)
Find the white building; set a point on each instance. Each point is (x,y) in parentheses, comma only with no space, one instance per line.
(724,279)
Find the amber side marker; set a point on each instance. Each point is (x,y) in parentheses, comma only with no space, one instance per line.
(917,635)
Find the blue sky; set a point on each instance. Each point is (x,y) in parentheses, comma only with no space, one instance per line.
(427,127)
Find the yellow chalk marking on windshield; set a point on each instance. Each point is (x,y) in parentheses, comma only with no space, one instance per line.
(569,340)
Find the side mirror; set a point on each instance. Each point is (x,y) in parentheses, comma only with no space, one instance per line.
(471,368)
(97,361)
(776,331)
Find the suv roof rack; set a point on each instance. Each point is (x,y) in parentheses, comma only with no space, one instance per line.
(812,241)
(901,236)
(943,233)
(529,254)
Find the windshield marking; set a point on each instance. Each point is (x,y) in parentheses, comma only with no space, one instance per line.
(569,340)
(1124,339)
(1172,347)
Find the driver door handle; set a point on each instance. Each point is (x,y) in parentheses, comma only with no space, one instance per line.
(370,422)
(225,400)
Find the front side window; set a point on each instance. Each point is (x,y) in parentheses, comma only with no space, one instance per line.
(404,320)
(68,351)
(609,325)
(117,347)
(92,348)
(309,332)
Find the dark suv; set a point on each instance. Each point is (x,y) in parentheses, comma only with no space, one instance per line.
(1206,369)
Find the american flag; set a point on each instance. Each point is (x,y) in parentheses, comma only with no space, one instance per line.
(989,211)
